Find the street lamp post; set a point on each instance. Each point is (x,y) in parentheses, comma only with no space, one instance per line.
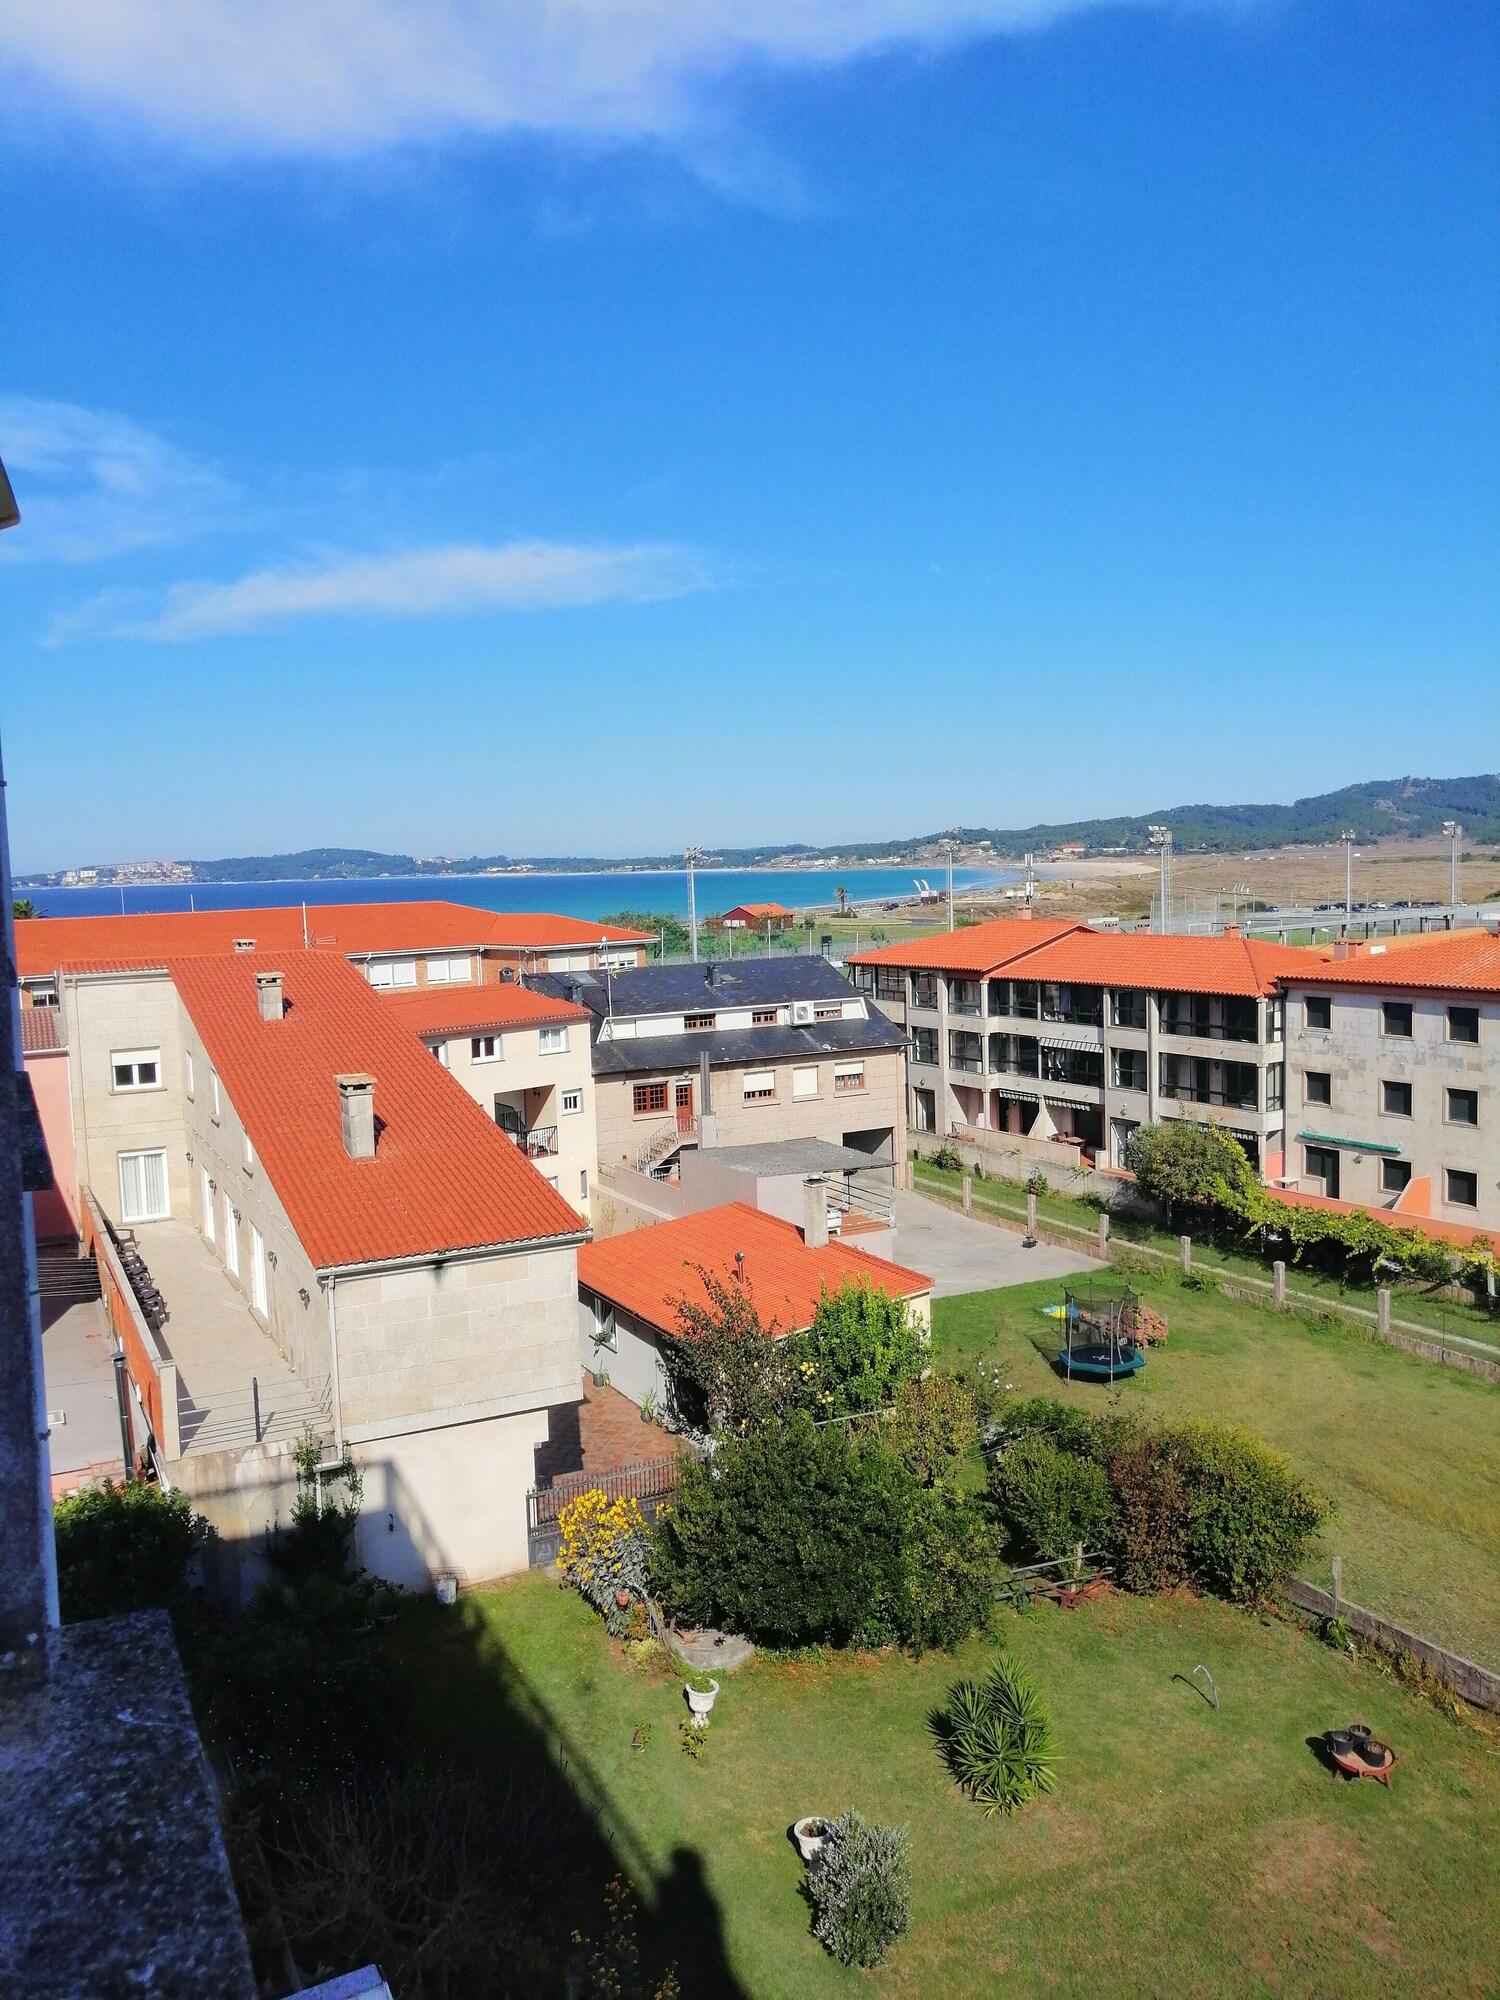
(692,856)
(949,844)
(1161,839)
(1347,837)
(1454,833)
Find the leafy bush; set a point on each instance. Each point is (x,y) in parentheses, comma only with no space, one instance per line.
(1250,1517)
(951,1557)
(603,1553)
(1150,1525)
(996,1739)
(727,1369)
(319,1538)
(1050,1499)
(123,1548)
(860,1889)
(861,1347)
(1068,1428)
(1183,1165)
(932,1427)
(946,1158)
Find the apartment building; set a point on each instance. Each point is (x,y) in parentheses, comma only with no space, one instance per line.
(1393,1077)
(1056,1033)
(735,1054)
(397,946)
(525,1057)
(336,1235)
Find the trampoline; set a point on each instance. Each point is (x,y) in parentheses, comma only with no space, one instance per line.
(1100,1335)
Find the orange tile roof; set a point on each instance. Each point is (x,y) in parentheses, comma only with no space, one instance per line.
(649,1270)
(444,1177)
(979,948)
(40,1034)
(44,942)
(1456,961)
(459,1010)
(759,910)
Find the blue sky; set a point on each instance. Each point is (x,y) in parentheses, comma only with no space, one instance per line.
(773,422)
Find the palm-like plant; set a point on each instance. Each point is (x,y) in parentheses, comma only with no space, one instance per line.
(996,1739)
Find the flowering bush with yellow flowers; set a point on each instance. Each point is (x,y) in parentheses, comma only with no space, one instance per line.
(603,1554)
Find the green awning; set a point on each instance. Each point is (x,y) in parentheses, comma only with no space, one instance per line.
(1349,1145)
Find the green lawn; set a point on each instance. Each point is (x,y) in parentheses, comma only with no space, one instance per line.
(1453,1318)
(1407,1449)
(1186,1852)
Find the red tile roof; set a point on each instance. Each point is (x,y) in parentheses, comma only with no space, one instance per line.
(444,1177)
(39,1031)
(1457,962)
(648,1271)
(977,949)
(759,910)
(461,1010)
(42,943)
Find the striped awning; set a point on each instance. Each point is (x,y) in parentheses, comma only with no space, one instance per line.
(1018,1096)
(1083,1048)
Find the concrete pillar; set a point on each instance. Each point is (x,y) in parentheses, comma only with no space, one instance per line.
(1383,1309)
(1278,1282)
(1103,1232)
(1185,1251)
(814,1212)
(968,1186)
(1031,1214)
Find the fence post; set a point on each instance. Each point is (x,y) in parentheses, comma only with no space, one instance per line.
(968,1194)
(1383,1309)
(1031,1215)
(1185,1251)
(1103,1232)
(1338,1582)
(1278,1283)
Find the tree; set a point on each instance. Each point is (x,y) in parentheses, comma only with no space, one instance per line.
(124,1548)
(932,1427)
(727,1368)
(672,931)
(22,907)
(861,1347)
(1183,1165)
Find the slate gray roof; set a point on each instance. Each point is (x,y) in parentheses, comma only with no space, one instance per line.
(666,1053)
(687,989)
(791,1156)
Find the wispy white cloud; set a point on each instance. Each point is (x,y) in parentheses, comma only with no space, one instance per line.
(415,583)
(94,484)
(329,76)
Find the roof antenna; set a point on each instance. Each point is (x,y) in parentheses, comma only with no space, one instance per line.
(304,927)
(739,1264)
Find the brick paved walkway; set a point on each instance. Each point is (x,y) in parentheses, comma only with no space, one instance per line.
(603,1433)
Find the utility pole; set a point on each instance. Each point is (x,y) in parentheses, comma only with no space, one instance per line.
(692,857)
(1454,833)
(1161,839)
(948,843)
(1347,837)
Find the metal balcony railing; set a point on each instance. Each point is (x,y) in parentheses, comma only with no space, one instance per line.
(1207,1029)
(1187,1093)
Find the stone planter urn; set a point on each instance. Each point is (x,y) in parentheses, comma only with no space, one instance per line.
(810,1835)
(701,1701)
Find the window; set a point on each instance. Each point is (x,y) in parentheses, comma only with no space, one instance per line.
(1323,1165)
(187,1072)
(484,1048)
(572,1100)
(583,1183)
(231,1240)
(805,1080)
(1395,1099)
(1317,1011)
(605,1333)
(760,1085)
(650,1097)
(135,1069)
(553,1041)
(693,1022)
(1128,1069)
(1462,1188)
(1275,1020)
(448,971)
(1463,1024)
(924,1045)
(257,1270)
(249,1153)
(1394,1175)
(924,989)
(763,1017)
(393,972)
(1275,1086)
(849,1076)
(440,1050)
(828,1010)
(1128,1009)
(206,1200)
(1317,1086)
(1395,1018)
(1463,1107)
(216,1102)
(924,1110)
(143,1187)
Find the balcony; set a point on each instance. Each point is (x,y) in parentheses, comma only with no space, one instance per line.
(966,1052)
(1188,1093)
(924,994)
(956,1006)
(537,1144)
(1204,1027)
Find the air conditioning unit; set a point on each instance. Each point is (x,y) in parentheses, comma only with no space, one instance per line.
(802,1013)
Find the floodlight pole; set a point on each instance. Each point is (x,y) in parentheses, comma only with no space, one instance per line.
(948,843)
(692,857)
(1347,837)
(1161,839)
(1454,832)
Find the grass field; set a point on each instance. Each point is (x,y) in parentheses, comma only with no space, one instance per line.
(1186,1852)
(1407,1449)
(1425,1308)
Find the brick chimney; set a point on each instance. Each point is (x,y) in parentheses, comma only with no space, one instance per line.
(814,1212)
(1347,947)
(357,1115)
(269,998)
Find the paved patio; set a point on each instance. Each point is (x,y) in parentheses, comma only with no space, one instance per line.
(603,1433)
(962,1254)
(82,1403)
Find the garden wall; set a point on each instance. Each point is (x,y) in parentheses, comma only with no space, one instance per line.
(1476,1684)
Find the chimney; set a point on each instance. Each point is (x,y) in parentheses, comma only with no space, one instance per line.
(1347,947)
(1230,931)
(357,1115)
(814,1212)
(268,996)
(709,972)
(244,944)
